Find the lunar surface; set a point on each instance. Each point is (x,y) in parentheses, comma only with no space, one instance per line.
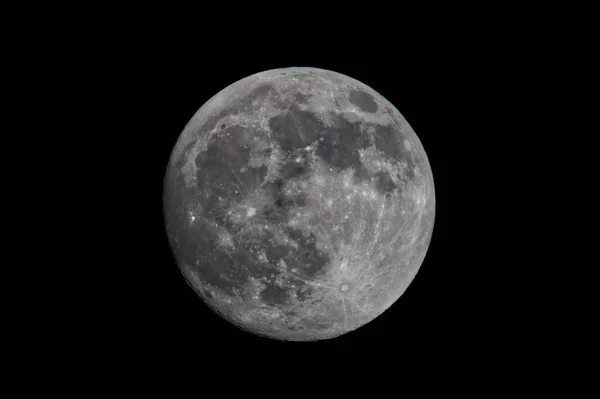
(299,203)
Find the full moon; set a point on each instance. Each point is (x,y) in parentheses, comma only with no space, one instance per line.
(299,203)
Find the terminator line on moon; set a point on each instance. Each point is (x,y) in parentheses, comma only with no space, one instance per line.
(299,203)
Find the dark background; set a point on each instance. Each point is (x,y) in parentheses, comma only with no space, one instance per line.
(456,307)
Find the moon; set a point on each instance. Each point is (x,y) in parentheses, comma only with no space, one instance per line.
(299,203)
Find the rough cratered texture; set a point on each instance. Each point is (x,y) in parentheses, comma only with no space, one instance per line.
(299,203)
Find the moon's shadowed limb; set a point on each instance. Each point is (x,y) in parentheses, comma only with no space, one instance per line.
(299,203)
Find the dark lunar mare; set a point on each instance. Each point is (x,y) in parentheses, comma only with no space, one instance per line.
(218,187)
(338,145)
(363,100)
